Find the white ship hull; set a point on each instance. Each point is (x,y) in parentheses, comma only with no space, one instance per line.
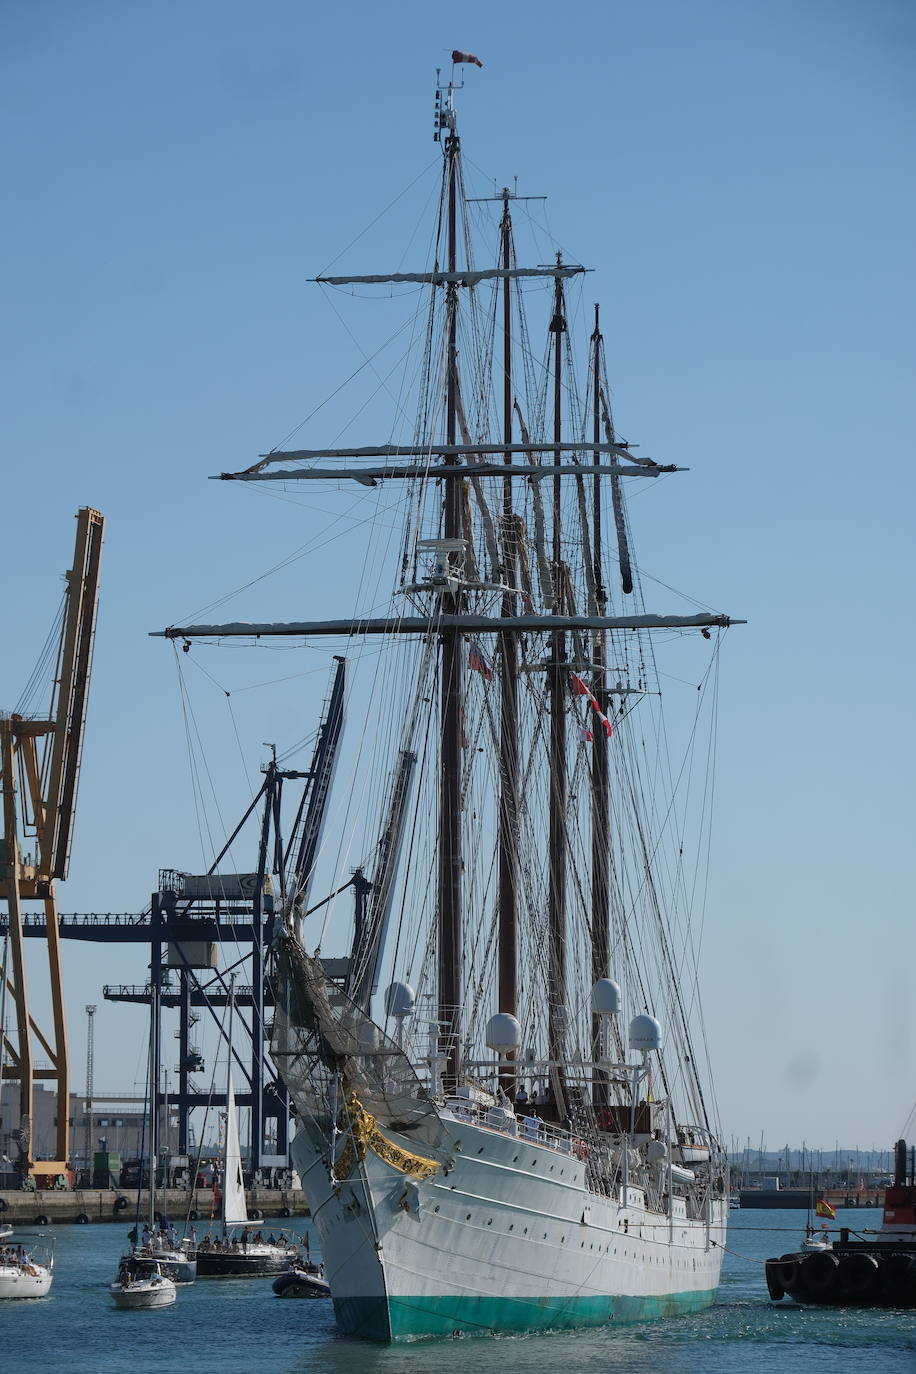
(25,1280)
(509,1239)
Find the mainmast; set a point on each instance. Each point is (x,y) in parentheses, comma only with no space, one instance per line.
(556,983)
(508,725)
(450,856)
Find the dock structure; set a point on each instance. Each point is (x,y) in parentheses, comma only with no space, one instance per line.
(193,922)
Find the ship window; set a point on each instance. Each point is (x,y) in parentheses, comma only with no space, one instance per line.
(490,1222)
(480,1151)
(435,1209)
(515,1159)
(512,1226)
(468,1217)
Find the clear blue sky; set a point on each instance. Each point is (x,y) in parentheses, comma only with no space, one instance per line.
(740,174)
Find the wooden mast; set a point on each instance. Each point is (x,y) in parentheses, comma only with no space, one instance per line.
(508,728)
(600,798)
(556,987)
(450,856)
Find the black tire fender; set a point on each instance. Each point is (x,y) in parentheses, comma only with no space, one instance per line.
(859,1275)
(819,1273)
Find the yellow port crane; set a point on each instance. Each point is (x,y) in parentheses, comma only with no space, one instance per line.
(40,767)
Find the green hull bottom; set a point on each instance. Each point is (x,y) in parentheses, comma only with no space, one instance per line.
(398,1319)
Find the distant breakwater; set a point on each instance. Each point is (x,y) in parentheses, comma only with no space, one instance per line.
(84,1205)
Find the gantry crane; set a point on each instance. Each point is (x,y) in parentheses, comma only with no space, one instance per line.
(40,766)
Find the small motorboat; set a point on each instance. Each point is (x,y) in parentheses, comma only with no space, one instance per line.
(23,1273)
(303,1280)
(145,1291)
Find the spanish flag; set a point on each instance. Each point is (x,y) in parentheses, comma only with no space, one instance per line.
(823,1209)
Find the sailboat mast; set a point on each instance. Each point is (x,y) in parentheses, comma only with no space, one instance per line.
(225,1188)
(508,724)
(556,992)
(153,1096)
(450,857)
(600,923)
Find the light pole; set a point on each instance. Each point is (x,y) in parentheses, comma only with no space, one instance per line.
(90,1046)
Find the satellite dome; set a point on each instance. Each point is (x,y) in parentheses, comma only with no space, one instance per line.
(503,1033)
(605,997)
(399,999)
(645,1033)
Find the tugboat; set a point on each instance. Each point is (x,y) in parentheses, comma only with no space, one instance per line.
(859,1273)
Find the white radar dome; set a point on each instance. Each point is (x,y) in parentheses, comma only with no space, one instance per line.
(645,1033)
(399,999)
(503,1033)
(605,997)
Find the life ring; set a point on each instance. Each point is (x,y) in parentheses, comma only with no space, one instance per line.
(193,1215)
(859,1275)
(785,1272)
(120,1204)
(42,1220)
(285,1212)
(819,1274)
(82,1219)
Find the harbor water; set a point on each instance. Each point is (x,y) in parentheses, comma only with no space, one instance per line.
(239,1327)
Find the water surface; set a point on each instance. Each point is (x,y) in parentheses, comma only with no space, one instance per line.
(239,1327)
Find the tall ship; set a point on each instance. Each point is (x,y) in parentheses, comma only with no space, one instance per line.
(504,1119)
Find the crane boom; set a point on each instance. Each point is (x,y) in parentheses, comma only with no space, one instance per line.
(39,768)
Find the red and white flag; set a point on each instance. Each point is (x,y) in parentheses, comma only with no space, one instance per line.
(580,687)
(608,727)
(479,663)
(585,735)
(466,57)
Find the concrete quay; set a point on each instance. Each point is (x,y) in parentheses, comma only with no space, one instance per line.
(62,1207)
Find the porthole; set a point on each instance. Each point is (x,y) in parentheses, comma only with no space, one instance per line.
(435,1209)
(468,1217)
(490,1222)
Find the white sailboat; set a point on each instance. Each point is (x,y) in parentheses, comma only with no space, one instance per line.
(26,1266)
(237,1251)
(511,1141)
(155,1252)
